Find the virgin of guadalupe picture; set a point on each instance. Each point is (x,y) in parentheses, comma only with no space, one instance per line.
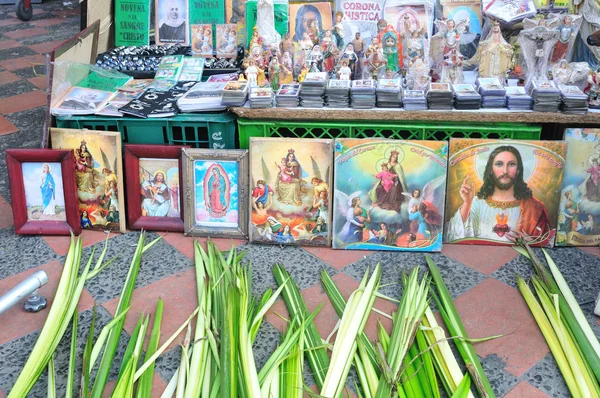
(216,193)
(99,173)
(290,198)
(44,194)
(579,211)
(389,195)
(159,187)
(500,191)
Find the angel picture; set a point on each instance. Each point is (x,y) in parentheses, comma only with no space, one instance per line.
(445,49)
(388,195)
(290,200)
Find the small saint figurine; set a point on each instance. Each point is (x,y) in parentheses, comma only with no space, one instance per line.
(329,50)
(567,29)
(286,68)
(345,72)
(447,40)
(274,70)
(381,25)
(416,46)
(315,57)
(494,55)
(593,89)
(305,46)
(376,64)
(255,40)
(350,55)
(338,29)
(417,76)
(359,50)
(392,47)
(561,72)
(252,74)
(286,44)
(303,72)
(313,30)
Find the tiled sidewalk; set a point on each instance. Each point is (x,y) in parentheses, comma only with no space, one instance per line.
(481,279)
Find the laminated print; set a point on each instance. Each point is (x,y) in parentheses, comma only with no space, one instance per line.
(389,195)
(579,212)
(503,190)
(171,22)
(290,197)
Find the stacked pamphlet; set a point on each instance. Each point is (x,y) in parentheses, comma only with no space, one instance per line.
(440,96)
(466,97)
(389,93)
(234,93)
(573,99)
(518,99)
(288,96)
(312,89)
(363,94)
(261,97)
(154,104)
(203,97)
(414,100)
(492,92)
(338,93)
(117,102)
(81,101)
(546,96)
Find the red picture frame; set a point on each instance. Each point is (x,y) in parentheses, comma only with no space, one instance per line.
(23,226)
(132,155)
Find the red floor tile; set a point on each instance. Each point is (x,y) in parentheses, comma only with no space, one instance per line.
(48,22)
(185,244)
(6,127)
(2,394)
(494,308)
(67,13)
(5,44)
(338,259)
(39,81)
(485,259)
(46,47)
(525,390)
(23,62)
(592,250)
(24,33)
(6,215)
(16,322)
(179,295)
(10,21)
(60,244)
(8,77)
(22,102)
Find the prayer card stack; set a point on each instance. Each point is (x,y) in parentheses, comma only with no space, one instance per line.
(492,92)
(235,93)
(288,96)
(465,97)
(414,100)
(518,99)
(261,97)
(546,96)
(312,89)
(440,97)
(338,93)
(574,101)
(202,97)
(363,94)
(389,93)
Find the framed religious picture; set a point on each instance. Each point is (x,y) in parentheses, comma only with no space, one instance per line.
(579,210)
(154,180)
(98,169)
(389,194)
(43,191)
(216,197)
(290,198)
(502,190)
(171,25)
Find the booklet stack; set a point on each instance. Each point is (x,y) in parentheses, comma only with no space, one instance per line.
(117,102)
(234,93)
(517,99)
(288,96)
(154,104)
(363,94)
(261,97)
(312,89)
(82,101)
(546,96)
(414,100)
(466,97)
(389,93)
(337,93)
(492,92)
(203,97)
(440,96)
(573,99)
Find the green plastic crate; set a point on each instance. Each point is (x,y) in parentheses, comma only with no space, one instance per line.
(399,130)
(208,130)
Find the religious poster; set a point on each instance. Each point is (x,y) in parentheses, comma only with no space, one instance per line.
(579,211)
(227,40)
(301,14)
(502,190)
(206,12)
(410,16)
(202,40)
(389,195)
(132,22)
(471,11)
(360,16)
(290,197)
(99,172)
(171,24)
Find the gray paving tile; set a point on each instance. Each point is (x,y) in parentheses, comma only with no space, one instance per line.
(267,340)
(16,52)
(458,277)
(31,71)
(520,266)
(160,261)
(168,363)
(61,31)
(19,253)
(16,88)
(546,376)
(304,267)
(500,380)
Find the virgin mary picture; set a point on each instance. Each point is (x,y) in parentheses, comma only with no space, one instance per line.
(216,191)
(289,185)
(43,192)
(387,191)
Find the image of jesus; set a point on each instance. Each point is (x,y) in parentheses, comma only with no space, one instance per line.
(503,208)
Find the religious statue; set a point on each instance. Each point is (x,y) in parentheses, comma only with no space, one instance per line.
(338,29)
(392,48)
(315,57)
(286,44)
(359,49)
(417,76)
(561,72)
(593,89)
(350,55)
(329,50)
(274,71)
(494,55)
(265,22)
(345,73)
(416,46)
(305,46)
(376,64)
(567,28)
(313,30)
(255,40)
(537,40)
(286,69)
(445,48)
(252,72)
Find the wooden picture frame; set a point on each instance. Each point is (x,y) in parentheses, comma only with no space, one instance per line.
(135,217)
(15,158)
(217,219)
